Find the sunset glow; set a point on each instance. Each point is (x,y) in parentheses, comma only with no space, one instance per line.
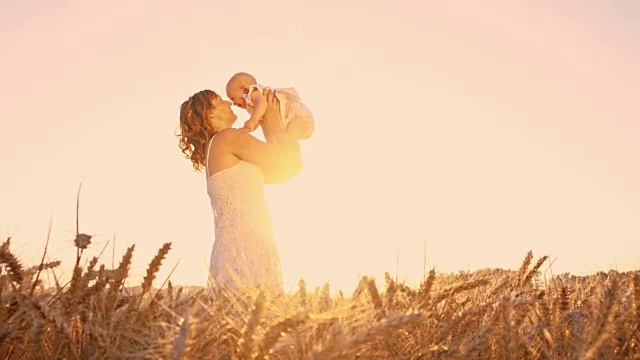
(480,132)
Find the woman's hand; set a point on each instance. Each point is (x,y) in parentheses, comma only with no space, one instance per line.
(272,116)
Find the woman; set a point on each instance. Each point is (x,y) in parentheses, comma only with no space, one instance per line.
(237,165)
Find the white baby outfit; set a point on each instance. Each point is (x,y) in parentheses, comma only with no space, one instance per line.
(288,97)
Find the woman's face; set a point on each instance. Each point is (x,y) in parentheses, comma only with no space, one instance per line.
(221,113)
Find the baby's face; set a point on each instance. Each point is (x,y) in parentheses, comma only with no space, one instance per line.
(236,93)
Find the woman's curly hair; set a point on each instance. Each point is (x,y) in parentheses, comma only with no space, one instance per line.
(195,127)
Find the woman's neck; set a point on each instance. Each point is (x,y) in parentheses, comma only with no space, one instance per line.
(218,129)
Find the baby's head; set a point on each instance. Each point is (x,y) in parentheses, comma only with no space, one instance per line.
(238,86)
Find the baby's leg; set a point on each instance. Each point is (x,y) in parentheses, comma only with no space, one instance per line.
(300,127)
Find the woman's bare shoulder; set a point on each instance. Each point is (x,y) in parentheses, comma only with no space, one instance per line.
(221,153)
(230,140)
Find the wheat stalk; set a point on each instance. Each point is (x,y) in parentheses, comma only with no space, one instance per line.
(117,281)
(180,343)
(44,254)
(525,266)
(529,275)
(154,267)
(277,332)
(601,329)
(245,345)
(16,272)
(375,298)
(381,328)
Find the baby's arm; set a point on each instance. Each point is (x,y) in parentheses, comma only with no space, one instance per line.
(260,106)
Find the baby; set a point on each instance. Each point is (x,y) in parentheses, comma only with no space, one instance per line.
(244,92)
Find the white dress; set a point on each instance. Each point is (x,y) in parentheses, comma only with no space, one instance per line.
(244,249)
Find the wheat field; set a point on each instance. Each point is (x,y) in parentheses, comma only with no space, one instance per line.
(487,314)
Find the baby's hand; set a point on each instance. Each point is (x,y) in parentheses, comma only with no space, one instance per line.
(250,125)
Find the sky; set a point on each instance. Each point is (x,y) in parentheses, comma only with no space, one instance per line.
(475,131)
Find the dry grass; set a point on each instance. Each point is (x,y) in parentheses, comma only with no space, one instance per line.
(488,314)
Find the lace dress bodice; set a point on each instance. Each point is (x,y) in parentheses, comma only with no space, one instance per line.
(244,248)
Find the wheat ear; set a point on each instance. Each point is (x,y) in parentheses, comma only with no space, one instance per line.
(154,267)
(276,332)
(533,270)
(16,273)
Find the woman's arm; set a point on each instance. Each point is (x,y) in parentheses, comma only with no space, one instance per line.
(278,158)
(275,133)
(290,168)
